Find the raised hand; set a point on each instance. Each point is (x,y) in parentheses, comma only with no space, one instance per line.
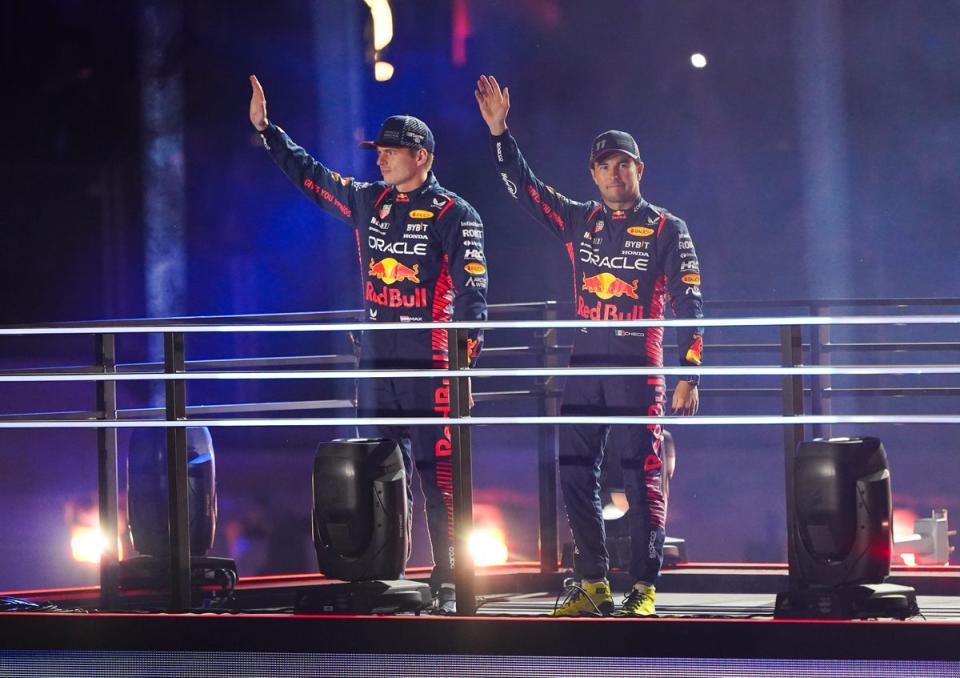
(494,103)
(258,105)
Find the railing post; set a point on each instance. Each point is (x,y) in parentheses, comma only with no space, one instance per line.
(177,487)
(791,352)
(462,475)
(547,436)
(820,402)
(107,482)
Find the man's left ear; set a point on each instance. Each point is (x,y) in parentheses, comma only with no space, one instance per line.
(423,156)
(639,169)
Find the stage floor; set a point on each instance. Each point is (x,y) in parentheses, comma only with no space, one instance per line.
(713,620)
(699,606)
(685,591)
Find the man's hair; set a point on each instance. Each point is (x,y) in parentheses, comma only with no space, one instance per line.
(413,152)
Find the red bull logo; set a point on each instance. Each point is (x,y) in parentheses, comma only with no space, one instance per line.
(640,231)
(441,405)
(606,286)
(604,311)
(655,409)
(691,278)
(392,297)
(695,352)
(390,270)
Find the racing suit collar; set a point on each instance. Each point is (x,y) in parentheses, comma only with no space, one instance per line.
(431,183)
(637,207)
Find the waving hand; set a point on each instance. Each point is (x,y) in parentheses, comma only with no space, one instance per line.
(494,103)
(258,105)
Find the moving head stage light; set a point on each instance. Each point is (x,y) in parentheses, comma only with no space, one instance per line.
(147,515)
(361,530)
(841,534)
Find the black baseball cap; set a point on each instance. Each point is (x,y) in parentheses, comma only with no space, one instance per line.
(403,131)
(612,141)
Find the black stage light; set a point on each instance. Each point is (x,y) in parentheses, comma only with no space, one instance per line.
(147,491)
(361,530)
(147,514)
(841,534)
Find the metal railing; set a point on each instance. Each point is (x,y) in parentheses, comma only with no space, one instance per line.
(547,349)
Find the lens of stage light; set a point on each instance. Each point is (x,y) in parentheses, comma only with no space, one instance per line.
(86,543)
(698,60)
(488,547)
(612,512)
(615,505)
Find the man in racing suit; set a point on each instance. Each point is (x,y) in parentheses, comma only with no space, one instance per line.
(421,260)
(627,257)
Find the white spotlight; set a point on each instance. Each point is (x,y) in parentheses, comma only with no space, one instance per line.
(382,71)
(382,23)
(697,60)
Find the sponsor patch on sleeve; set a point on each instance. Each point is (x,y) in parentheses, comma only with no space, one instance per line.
(695,352)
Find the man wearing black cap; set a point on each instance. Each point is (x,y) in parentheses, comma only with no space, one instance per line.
(421,258)
(628,256)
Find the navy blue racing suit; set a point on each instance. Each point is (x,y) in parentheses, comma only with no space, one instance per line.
(626,263)
(421,260)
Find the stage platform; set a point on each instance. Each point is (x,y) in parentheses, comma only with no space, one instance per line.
(713,620)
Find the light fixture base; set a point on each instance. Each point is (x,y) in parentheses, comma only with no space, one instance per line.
(860,601)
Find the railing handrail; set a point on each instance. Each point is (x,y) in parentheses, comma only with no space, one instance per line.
(301,316)
(821,303)
(666,420)
(769,321)
(728,371)
(295,316)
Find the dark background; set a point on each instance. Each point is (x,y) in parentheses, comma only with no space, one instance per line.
(725,149)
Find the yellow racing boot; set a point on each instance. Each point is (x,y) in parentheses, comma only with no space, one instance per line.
(584,599)
(640,602)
